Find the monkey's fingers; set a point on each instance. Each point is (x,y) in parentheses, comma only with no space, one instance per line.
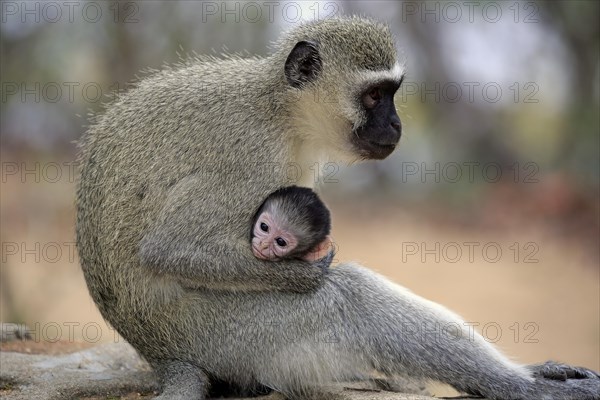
(325,262)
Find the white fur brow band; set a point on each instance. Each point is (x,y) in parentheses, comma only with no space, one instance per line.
(396,73)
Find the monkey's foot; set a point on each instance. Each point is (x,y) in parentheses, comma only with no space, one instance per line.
(561,372)
(558,381)
(181,381)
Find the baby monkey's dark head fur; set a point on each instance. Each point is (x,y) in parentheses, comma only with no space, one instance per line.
(300,213)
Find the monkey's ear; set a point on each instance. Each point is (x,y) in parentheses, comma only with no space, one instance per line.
(303,64)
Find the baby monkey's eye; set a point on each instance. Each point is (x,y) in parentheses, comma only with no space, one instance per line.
(264,227)
(281,242)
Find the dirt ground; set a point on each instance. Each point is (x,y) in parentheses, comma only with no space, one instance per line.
(537,300)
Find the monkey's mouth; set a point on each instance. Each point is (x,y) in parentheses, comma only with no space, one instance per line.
(258,253)
(375,143)
(373,150)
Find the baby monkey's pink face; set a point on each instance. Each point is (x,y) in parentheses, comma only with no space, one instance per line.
(271,240)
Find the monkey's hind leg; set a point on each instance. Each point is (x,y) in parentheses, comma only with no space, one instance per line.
(181,381)
(403,333)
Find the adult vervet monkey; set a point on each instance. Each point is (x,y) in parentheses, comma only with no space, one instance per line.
(171,175)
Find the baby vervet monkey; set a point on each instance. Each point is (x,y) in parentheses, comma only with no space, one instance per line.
(292,222)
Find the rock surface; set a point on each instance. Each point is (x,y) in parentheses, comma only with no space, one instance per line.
(115,371)
(106,370)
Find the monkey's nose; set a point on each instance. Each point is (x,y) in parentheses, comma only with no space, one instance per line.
(395,123)
(263,245)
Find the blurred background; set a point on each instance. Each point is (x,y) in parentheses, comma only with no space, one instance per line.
(490,205)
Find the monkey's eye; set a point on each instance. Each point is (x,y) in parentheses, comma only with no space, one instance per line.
(375,94)
(264,227)
(281,242)
(372,97)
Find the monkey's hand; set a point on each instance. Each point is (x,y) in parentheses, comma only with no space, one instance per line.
(325,262)
(309,276)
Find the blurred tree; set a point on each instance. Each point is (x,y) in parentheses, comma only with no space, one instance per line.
(577,23)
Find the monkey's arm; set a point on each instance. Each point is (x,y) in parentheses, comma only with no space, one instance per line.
(227,264)
(197,239)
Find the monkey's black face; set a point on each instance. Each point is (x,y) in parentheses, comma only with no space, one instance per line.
(379,135)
